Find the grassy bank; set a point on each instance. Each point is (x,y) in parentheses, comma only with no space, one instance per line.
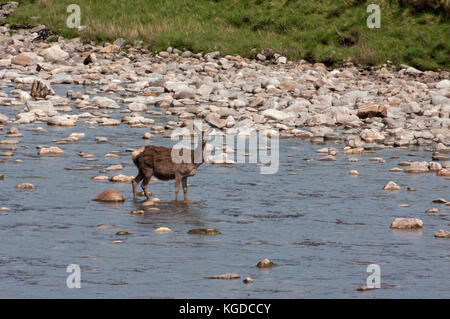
(326,31)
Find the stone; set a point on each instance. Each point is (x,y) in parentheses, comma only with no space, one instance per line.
(112,48)
(110,195)
(14,132)
(418,167)
(442,234)
(3,119)
(51,151)
(370,109)
(443,172)
(101,139)
(365,288)
(25,186)
(353,172)
(248,280)
(439,201)
(204,231)
(148,136)
(104,102)
(214,120)
(433,211)
(117,167)
(228,276)
(22,60)
(163,230)
(327,158)
(276,115)
(55,53)
(407,223)
(391,186)
(123,233)
(121,179)
(44,106)
(100,178)
(137,212)
(137,107)
(265,263)
(102,226)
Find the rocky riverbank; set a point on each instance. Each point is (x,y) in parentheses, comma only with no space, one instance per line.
(376,108)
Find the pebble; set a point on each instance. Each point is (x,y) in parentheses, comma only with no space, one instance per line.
(25,186)
(163,230)
(265,263)
(123,233)
(442,234)
(204,231)
(391,186)
(227,276)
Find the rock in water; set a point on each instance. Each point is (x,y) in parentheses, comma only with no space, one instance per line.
(407,223)
(163,230)
(442,234)
(391,186)
(225,276)
(26,186)
(51,151)
(265,263)
(110,195)
(204,231)
(365,288)
(248,280)
(123,233)
(418,167)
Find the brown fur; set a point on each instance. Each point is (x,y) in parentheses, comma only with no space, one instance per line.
(157,161)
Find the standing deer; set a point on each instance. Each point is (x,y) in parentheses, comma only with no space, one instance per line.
(157,161)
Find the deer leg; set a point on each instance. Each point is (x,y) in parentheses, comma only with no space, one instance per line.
(135,183)
(147,176)
(177,186)
(185,187)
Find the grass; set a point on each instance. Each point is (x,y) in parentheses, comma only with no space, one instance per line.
(325,31)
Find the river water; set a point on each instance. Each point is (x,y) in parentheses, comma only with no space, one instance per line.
(321,226)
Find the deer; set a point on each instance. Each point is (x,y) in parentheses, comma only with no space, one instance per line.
(158,161)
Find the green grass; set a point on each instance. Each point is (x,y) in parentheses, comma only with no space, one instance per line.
(323,31)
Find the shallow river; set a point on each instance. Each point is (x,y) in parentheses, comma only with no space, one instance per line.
(321,226)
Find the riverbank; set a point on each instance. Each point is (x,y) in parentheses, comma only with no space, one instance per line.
(413,32)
